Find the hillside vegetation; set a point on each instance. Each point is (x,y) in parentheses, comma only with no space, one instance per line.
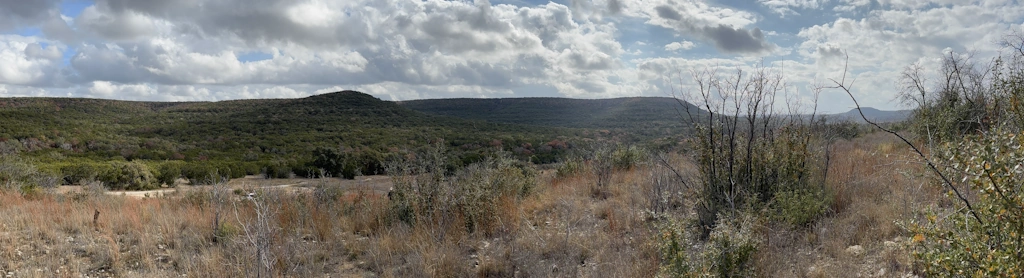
(641,113)
(659,122)
(275,137)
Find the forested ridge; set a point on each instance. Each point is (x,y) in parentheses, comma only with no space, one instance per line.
(276,136)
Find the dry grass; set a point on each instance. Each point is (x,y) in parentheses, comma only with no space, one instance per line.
(876,184)
(560,230)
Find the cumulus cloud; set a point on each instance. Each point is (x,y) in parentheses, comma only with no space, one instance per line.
(21,13)
(676,46)
(725,28)
(788,7)
(353,43)
(24,61)
(882,43)
(614,6)
(401,49)
(116,25)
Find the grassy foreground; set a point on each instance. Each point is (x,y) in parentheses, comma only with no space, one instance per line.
(562,228)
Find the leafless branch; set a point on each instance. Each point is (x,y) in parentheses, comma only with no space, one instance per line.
(842,85)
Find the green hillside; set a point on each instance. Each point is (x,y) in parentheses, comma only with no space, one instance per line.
(255,135)
(643,118)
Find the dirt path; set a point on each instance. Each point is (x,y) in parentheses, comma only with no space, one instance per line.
(379,184)
(161,192)
(143,194)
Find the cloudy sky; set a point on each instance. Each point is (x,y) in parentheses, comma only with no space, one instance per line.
(188,50)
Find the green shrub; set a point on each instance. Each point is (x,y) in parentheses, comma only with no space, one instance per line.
(78,172)
(334,162)
(470,195)
(953,243)
(14,171)
(250,168)
(202,173)
(30,191)
(277,170)
(226,231)
(169,172)
(757,171)
(800,207)
(122,175)
(300,171)
(571,167)
(728,251)
(235,170)
(625,158)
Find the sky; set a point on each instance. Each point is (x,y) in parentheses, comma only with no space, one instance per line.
(209,50)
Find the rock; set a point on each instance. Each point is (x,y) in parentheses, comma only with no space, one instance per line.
(890,245)
(855,250)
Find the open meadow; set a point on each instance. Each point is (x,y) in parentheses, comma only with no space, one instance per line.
(565,226)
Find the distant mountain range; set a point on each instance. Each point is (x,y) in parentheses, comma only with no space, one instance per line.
(272,129)
(631,113)
(875,115)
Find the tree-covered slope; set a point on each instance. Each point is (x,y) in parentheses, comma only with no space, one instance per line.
(53,129)
(660,121)
(630,112)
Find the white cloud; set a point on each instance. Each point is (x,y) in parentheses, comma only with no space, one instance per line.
(402,49)
(24,61)
(117,25)
(786,7)
(726,28)
(22,13)
(676,46)
(883,43)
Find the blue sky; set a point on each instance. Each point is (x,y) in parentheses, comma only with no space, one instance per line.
(411,49)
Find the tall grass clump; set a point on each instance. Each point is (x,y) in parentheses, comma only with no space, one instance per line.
(601,159)
(424,195)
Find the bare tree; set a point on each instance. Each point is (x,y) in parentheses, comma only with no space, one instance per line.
(259,233)
(738,138)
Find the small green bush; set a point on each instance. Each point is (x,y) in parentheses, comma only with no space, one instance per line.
(199,173)
(226,231)
(14,171)
(277,170)
(469,195)
(728,252)
(78,172)
(169,172)
(800,207)
(625,158)
(574,166)
(122,175)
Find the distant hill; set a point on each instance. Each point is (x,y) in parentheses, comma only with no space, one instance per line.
(289,130)
(260,129)
(643,118)
(875,115)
